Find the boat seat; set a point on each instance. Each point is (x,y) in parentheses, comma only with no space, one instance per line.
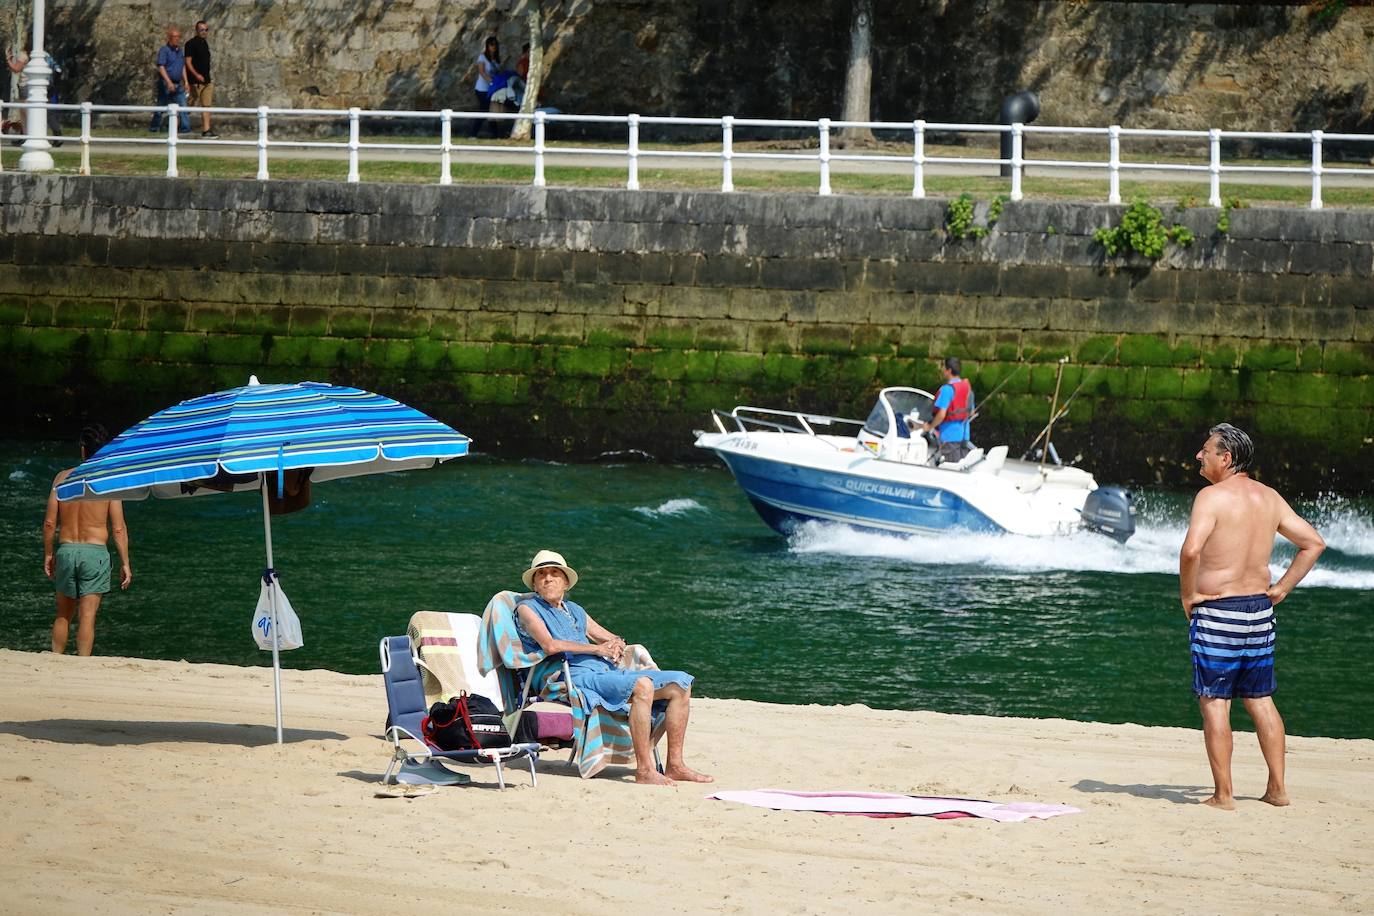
(974,456)
(993,461)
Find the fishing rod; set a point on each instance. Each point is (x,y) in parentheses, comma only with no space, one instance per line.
(993,393)
(1060,413)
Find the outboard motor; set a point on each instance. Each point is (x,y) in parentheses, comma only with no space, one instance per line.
(1110,511)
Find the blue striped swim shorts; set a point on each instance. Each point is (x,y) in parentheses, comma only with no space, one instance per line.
(1232,643)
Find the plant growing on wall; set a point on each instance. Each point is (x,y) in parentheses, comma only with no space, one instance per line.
(1224,219)
(959,218)
(1142,230)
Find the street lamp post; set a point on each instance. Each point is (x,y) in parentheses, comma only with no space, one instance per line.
(36,157)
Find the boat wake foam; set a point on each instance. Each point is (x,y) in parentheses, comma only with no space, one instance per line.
(670,508)
(1154,549)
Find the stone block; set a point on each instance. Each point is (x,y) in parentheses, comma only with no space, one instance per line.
(611,331)
(399,323)
(876,340)
(757,304)
(519,296)
(689,302)
(215,319)
(418,261)
(670,334)
(85,313)
(232,349)
(825,338)
(1270,356)
(801,273)
(550,329)
(701,365)
(1325,258)
(1144,350)
(1222,354)
(722,335)
(1003,312)
(166,316)
(505,357)
(667,365)
(1348,358)
(739,367)
(448,326)
(773,337)
(471,357)
(591,299)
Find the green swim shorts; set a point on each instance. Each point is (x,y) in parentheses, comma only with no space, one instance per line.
(82,569)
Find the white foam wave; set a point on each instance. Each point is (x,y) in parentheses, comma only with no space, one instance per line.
(670,508)
(20,476)
(1154,549)
(1344,524)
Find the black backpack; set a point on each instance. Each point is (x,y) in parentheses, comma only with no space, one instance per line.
(467,722)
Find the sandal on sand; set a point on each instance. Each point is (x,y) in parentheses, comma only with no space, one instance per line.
(401,790)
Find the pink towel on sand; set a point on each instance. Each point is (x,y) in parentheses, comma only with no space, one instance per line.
(882,804)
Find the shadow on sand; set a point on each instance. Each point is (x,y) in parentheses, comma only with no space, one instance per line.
(111,733)
(1179,795)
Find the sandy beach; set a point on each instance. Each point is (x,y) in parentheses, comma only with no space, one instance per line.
(134,786)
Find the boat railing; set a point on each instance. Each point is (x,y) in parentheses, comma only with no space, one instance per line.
(744,419)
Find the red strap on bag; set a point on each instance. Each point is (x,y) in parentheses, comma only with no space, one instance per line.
(460,708)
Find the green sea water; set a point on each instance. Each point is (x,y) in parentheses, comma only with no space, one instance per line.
(674,558)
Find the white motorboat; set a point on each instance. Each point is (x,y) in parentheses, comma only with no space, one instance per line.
(882,473)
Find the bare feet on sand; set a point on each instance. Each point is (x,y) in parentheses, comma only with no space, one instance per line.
(652,778)
(687,774)
(1224,804)
(1277,798)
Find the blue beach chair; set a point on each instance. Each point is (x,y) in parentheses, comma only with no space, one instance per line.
(405,699)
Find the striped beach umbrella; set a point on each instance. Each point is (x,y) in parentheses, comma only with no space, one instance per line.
(248,438)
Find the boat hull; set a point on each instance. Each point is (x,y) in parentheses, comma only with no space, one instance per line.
(787,495)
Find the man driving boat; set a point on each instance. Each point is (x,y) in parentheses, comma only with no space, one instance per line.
(953,408)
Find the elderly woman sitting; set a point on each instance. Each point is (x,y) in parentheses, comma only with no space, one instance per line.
(555,624)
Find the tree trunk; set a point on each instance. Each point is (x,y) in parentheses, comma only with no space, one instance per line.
(22,28)
(858,79)
(534,17)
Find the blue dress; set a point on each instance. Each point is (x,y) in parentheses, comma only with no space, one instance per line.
(599,680)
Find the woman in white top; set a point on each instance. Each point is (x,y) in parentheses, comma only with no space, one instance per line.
(488,62)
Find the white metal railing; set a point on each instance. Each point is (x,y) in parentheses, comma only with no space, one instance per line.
(920,161)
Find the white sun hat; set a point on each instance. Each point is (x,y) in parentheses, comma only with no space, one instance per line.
(545,558)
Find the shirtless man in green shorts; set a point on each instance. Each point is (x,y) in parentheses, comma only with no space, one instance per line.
(80,566)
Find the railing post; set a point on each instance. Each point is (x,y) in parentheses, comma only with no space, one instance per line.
(1214,166)
(1114,164)
(824,128)
(354,138)
(262,143)
(445,141)
(1316,170)
(173,112)
(632,179)
(1017,163)
(918,158)
(85,138)
(727,153)
(538,148)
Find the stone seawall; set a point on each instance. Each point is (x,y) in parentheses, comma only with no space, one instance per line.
(572,322)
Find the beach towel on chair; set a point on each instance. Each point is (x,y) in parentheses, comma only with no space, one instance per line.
(446,644)
(600,736)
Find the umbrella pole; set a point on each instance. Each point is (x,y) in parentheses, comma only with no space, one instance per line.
(272,596)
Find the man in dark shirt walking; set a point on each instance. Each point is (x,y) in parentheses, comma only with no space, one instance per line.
(198,77)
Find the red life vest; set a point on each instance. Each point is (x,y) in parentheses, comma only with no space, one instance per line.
(958,405)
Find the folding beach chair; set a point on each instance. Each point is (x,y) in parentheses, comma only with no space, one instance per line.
(599,736)
(405,698)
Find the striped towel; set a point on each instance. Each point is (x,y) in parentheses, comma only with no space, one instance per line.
(600,736)
(432,638)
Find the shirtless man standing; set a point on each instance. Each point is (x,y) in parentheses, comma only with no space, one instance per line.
(1223,581)
(81,564)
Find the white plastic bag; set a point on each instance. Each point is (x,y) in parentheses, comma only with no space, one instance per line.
(288,624)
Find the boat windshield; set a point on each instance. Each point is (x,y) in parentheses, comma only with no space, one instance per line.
(903,402)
